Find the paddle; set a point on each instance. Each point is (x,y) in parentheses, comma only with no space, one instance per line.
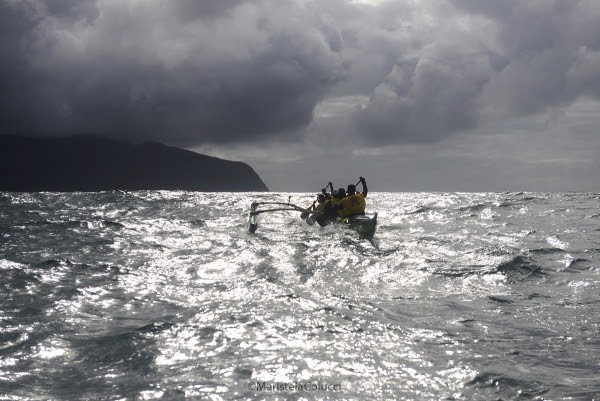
(306,212)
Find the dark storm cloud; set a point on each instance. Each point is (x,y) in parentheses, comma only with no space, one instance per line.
(194,72)
(486,60)
(182,71)
(68,9)
(193,9)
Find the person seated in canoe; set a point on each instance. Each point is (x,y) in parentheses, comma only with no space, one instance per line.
(331,204)
(324,198)
(324,191)
(334,202)
(354,203)
(328,212)
(319,205)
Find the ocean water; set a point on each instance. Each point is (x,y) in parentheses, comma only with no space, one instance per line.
(166,295)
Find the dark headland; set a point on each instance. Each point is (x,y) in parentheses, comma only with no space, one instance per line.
(86,163)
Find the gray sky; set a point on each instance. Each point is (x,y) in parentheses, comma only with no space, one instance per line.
(428,95)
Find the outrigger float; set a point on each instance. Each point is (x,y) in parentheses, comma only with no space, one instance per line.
(365,225)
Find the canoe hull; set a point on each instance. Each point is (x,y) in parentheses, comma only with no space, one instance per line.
(365,225)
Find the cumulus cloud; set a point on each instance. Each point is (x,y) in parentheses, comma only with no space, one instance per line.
(550,49)
(486,61)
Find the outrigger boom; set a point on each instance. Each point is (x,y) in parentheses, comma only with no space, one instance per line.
(253,220)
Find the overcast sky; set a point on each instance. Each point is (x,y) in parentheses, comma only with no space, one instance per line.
(415,95)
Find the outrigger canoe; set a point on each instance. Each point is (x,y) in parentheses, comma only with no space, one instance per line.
(365,225)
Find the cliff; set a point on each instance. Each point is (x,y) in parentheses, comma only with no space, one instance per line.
(84,163)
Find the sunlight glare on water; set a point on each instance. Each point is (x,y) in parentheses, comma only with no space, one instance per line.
(166,295)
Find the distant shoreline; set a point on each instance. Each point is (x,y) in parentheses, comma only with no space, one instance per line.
(93,163)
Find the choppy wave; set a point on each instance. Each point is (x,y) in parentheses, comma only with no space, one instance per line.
(166,295)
